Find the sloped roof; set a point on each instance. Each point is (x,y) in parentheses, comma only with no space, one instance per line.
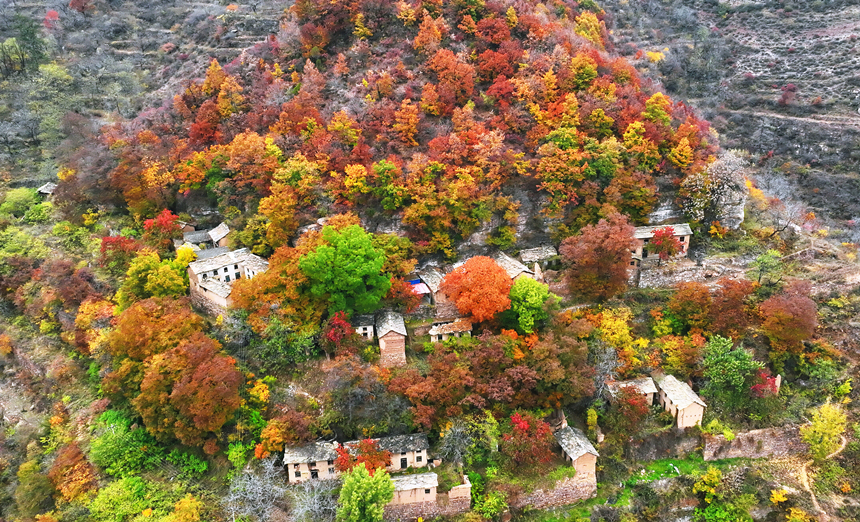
(460,325)
(534,255)
(574,443)
(432,277)
(390,322)
(218,233)
(47,188)
(315,452)
(416,481)
(643,385)
(678,392)
(511,265)
(221,260)
(362,320)
(217,287)
(208,253)
(401,443)
(681,229)
(420,288)
(255,262)
(196,236)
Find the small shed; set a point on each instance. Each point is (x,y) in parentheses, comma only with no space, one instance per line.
(579,451)
(545,256)
(363,325)
(391,332)
(680,400)
(47,189)
(458,328)
(644,386)
(644,234)
(216,292)
(218,235)
(514,268)
(414,489)
(254,265)
(432,278)
(311,461)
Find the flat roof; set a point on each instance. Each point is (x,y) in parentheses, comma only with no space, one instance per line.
(415,481)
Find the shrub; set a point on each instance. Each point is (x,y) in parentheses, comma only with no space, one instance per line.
(121,451)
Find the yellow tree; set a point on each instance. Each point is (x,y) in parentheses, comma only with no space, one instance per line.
(406,122)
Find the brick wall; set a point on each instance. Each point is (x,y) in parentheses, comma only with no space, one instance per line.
(566,491)
(426,510)
(769,442)
(392,348)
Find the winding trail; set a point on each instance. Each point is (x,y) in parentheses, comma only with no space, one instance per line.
(804,479)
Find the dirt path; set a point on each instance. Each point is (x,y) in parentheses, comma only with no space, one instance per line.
(841,121)
(804,479)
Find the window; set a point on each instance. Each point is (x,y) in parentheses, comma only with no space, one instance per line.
(236,267)
(417,451)
(418,458)
(225,269)
(295,466)
(315,474)
(236,275)
(331,463)
(683,238)
(298,474)
(426,491)
(226,279)
(331,471)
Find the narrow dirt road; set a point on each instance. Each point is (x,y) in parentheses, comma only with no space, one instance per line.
(804,479)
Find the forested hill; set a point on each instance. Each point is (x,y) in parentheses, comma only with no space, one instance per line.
(445,119)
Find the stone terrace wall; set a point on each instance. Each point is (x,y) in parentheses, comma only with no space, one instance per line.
(566,491)
(442,507)
(770,442)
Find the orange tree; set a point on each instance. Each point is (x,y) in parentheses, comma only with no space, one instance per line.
(598,258)
(479,287)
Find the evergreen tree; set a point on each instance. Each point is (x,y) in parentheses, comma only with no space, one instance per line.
(363,496)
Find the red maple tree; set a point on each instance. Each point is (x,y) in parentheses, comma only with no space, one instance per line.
(479,287)
(665,244)
(526,440)
(365,452)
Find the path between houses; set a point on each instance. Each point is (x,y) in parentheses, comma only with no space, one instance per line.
(804,479)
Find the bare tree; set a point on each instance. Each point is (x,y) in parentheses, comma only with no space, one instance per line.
(256,491)
(313,500)
(604,359)
(455,445)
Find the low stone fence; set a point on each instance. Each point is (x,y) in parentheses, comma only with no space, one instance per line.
(444,506)
(769,442)
(566,491)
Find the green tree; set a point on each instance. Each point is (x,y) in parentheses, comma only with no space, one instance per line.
(346,271)
(824,431)
(530,303)
(766,264)
(18,201)
(727,370)
(150,276)
(363,496)
(33,494)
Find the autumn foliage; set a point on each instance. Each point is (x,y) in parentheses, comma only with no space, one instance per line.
(789,318)
(363,452)
(479,287)
(526,440)
(598,258)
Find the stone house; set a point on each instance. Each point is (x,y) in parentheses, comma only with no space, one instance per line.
(311,461)
(363,325)
(407,451)
(579,451)
(216,237)
(680,400)
(391,331)
(513,268)
(47,190)
(644,386)
(461,327)
(413,489)
(432,278)
(644,234)
(211,277)
(544,256)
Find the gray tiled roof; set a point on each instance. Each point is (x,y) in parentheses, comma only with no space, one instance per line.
(389,322)
(511,265)
(362,320)
(219,261)
(217,287)
(401,443)
(208,253)
(574,442)
(197,236)
(315,452)
(534,255)
(678,392)
(257,263)
(416,481)
(432,277)
(681,229)
(47,188)
(218,233)
(642,385)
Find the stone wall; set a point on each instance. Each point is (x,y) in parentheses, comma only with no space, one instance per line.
(566,491)
(426,510)
(673,443)
(770,442)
